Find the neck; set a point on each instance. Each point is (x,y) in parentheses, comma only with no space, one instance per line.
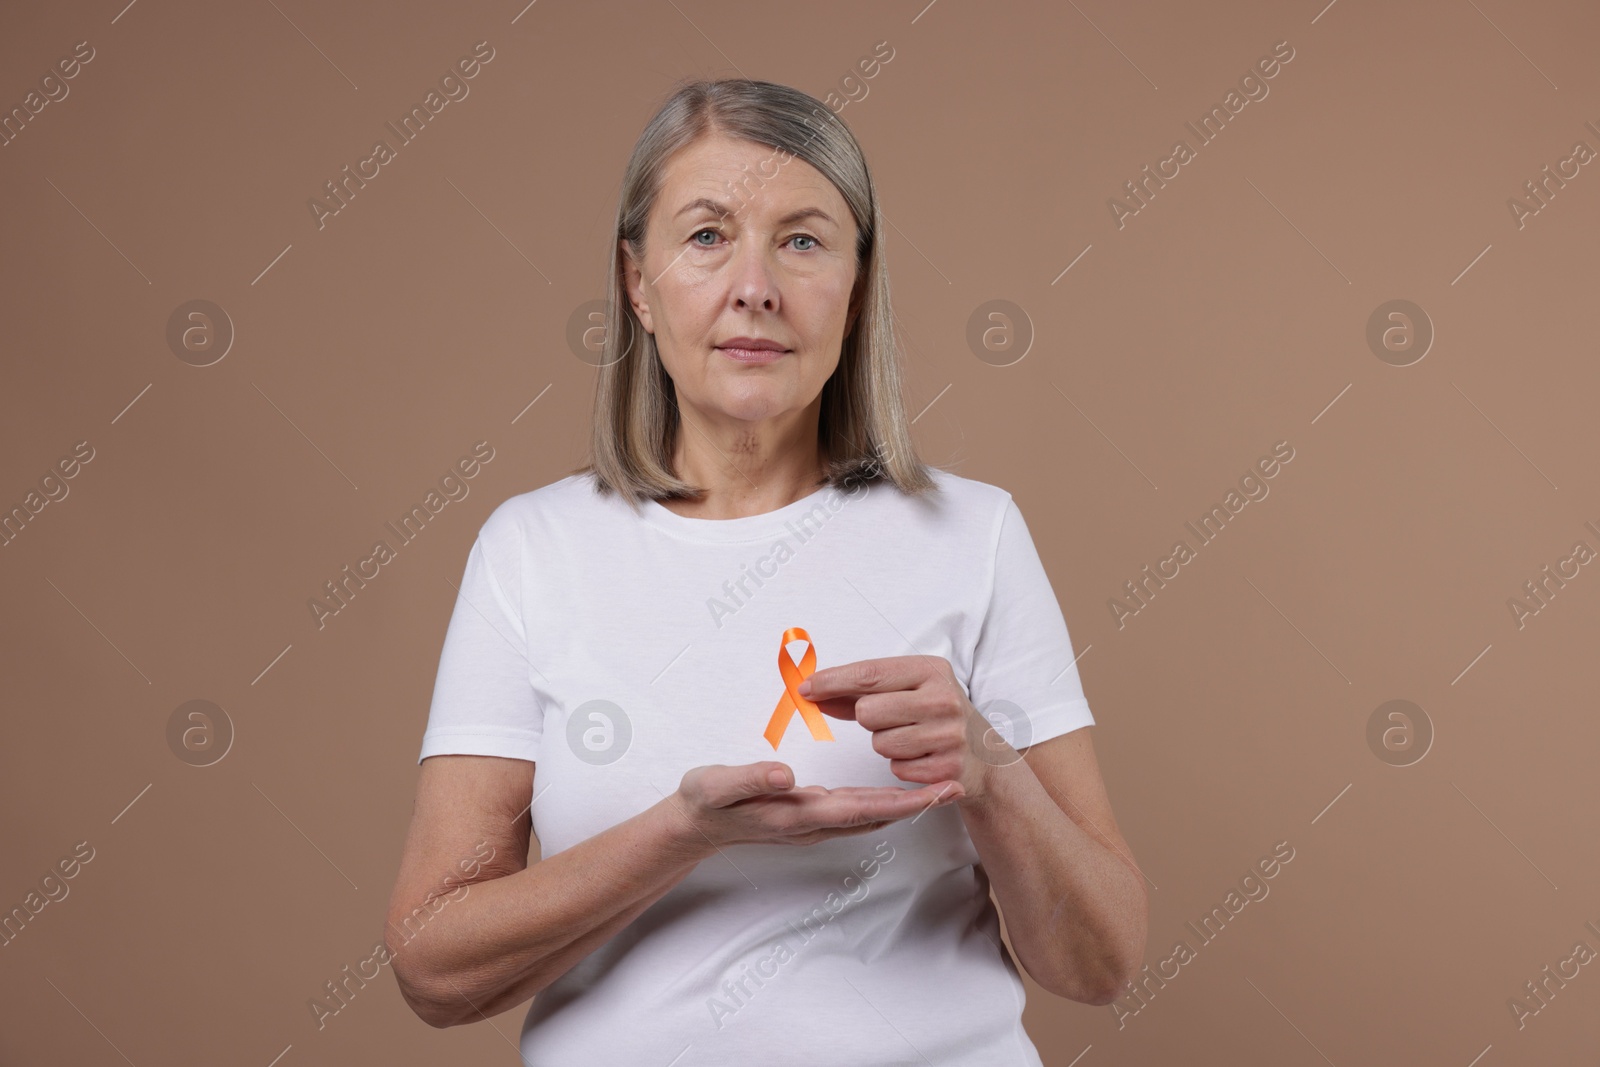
(746,470)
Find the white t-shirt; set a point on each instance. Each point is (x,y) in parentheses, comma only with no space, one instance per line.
(618,650)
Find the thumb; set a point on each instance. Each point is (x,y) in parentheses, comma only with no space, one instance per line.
(770,777)
(752,780)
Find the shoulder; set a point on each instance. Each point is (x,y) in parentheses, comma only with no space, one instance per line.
(967,500)
(969,492)
(962,516)
(518,517)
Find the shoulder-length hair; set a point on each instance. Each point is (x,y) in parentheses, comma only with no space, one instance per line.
(862,427)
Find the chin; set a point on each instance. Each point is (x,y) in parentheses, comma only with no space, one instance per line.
(752,407)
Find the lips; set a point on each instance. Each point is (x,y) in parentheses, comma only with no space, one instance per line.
(752,349)
(753,344)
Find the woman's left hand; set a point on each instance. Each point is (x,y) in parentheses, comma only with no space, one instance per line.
(919,716)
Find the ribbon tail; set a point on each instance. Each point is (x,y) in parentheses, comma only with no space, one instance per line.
(815,721)
(779,722)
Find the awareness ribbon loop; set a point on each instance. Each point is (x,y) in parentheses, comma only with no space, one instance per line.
(792,701)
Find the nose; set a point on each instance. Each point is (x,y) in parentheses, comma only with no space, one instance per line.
(753,282)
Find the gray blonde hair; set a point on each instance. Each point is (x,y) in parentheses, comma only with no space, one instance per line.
(862,426)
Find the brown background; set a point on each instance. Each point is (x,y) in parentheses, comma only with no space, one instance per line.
(1228,315)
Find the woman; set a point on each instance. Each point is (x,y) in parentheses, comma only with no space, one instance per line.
(755,558)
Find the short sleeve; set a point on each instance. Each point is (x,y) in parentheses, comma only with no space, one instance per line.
(1024,680)
(483,698)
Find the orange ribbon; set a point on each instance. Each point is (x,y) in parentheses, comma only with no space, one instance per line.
(791,700)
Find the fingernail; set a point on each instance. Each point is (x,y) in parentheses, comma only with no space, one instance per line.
(778,779)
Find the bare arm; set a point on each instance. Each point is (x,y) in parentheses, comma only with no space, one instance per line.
(497,939)
(499,931)
(1072,897)
(1074,901)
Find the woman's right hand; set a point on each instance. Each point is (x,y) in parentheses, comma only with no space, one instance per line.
(742,805)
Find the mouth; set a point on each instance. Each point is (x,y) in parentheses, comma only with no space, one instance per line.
(754,355)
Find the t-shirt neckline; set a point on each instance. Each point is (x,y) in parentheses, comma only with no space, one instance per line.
(744,528)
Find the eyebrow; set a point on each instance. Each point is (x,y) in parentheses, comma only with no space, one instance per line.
(722,211)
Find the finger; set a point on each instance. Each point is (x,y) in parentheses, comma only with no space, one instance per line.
(853,809)
(887,675)
(828,833)
(908,707)
(755,779)
(940,793)
(891,793)
(837,707)
(800,792)
(947,790)
(867,789)
(880,790)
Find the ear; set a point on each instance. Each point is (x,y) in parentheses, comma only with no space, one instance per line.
(633,282)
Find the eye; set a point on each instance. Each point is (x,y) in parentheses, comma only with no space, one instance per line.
(715,232)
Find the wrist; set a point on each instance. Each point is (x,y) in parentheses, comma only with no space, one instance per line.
(677,832)
(989,755)
(990,788)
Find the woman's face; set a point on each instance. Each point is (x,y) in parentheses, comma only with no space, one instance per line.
(743,245)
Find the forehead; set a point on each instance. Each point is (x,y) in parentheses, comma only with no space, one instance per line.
(751,179)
